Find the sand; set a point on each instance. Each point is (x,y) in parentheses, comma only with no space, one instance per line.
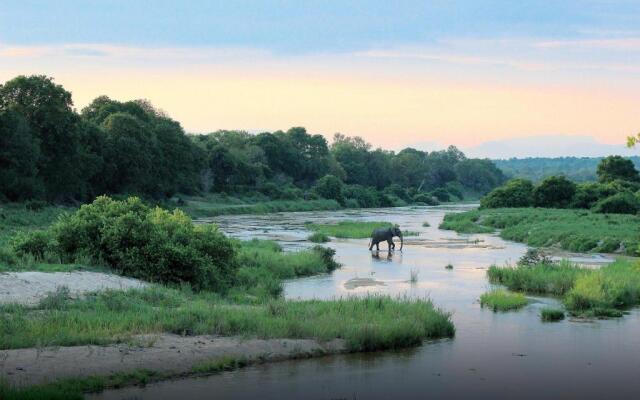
(166,353)
(29,287)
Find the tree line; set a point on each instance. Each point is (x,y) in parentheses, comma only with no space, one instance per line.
(49,151)
(616,191)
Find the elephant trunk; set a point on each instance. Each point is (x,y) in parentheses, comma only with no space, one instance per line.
(401,242)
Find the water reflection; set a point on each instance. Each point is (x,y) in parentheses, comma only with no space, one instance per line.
(494,355)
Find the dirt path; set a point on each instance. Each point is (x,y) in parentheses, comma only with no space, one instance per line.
(165,353)
(29,287)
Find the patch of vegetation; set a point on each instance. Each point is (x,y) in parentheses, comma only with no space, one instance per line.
(352,229)
(555,279)
(501,300)
(318,237)
(426,224)
(413,275)
(602,292)
(370,323)
(263,267)
(226,363)
(448,266)
(573,230)
(551,314)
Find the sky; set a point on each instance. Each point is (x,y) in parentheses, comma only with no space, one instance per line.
(496,78)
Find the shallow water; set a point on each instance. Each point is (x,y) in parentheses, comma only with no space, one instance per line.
(494,355)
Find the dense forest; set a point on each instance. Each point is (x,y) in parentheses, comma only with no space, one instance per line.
(51,152)
(577,169)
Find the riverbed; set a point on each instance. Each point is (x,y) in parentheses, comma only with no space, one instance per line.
(493,355)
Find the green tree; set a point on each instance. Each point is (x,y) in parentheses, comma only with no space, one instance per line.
(616,167)
(514,193)
(554,192)
(47,108)
(330,187)
(19,157)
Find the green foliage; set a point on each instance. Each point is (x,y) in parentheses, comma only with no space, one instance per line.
(588,194)
(225,363)
(617,167)
(573,230)
(329,187)
(318,237)
(554,192)
(138,241)
(515,193)
(619,203)
(441,194)
(551,315)
(369,323)
(501,300)
(425,198)
(349,229)
(556,279)
(586,291)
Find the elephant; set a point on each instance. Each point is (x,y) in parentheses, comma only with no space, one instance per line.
(380,234)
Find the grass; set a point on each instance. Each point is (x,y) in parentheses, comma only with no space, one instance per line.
(413,277)
(352,229)
(318,237)
(501,300)
(573,230)
(448,266)
(213,205)
(554,279)
(603,292)
(226,363)
(551,315)
(369,323)
(426,224)
(263,267)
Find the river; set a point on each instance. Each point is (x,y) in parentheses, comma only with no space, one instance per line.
(493,355)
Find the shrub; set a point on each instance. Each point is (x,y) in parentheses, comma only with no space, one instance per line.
(318,237)
(588,194)
(329,187)
(35,243)
(620,203)
(554,192)
(397,191)
(366,197)
(425,198)
(35,205)
(441,194)
(152,244)
(515,193)
(534,257)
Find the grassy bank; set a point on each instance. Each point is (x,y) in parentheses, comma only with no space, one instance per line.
(573,230)
(371,323)
(586,292)
(214,205)
(352,229)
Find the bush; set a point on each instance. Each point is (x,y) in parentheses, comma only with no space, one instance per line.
(366,197)
(515,193)
(551,314)
(35,243)
(620,203)
(441,194)
(35,205)
(151,244)
(616,167)
(329,187)
(554,192)
(588,194)
(397,191)
(425,198)
(318,237)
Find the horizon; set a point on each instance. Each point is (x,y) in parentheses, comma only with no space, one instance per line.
(428,75)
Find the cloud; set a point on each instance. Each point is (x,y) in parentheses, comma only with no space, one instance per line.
(624,44)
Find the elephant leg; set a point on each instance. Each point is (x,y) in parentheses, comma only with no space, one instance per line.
(371,246)
(377,246)
(390,244)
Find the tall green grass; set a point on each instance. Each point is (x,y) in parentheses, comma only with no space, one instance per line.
(211,206)
(573,230)
(501,300)
(370,323)
(263,267)
(589,292)
(352,229)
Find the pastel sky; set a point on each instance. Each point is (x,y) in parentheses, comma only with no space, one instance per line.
(420,73)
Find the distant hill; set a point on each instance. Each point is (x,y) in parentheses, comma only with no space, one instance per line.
(579,169)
